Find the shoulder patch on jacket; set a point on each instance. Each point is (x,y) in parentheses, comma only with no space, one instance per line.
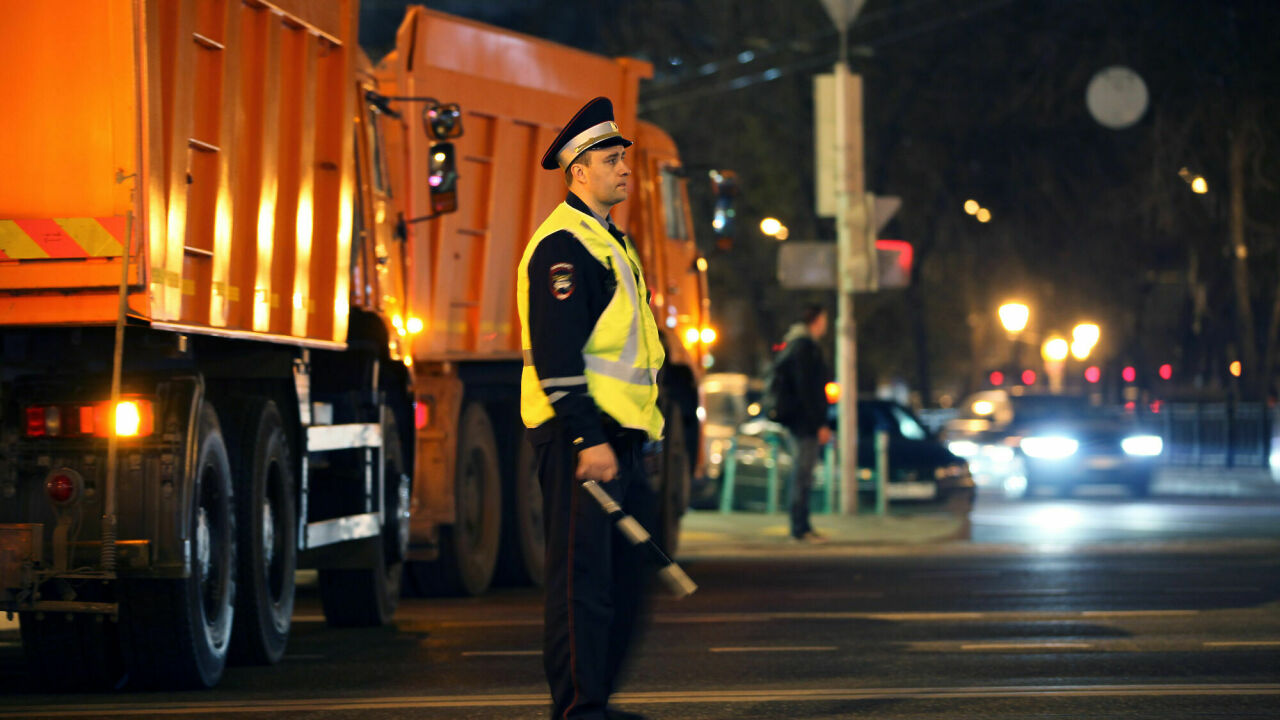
(562,284)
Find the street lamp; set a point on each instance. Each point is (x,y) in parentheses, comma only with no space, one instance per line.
(772,227)
(1054,349)
(1083,339)
(1014,316)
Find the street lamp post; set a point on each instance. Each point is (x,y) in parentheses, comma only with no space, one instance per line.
(1014,317)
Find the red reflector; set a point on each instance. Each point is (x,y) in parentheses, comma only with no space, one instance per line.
(420,415)
(61,489)
(35,422)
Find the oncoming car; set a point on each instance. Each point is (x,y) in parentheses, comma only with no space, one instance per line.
(1028,445)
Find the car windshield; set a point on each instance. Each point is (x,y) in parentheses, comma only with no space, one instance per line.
(1052,407)
(725,408)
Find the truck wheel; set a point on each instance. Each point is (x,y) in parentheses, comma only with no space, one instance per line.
(67,652)
(266,533)
(178,632)
(469,547)
(522,559)
(674,480)
(367,597)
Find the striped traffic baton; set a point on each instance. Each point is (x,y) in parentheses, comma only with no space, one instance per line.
(675,578)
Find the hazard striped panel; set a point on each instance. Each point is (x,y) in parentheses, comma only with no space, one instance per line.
(32,239)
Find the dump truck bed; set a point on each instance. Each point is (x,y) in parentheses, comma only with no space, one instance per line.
(212,141)
(516,92)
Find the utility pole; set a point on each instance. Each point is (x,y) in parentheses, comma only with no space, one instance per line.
(852,219)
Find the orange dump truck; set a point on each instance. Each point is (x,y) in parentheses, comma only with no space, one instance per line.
(257,314)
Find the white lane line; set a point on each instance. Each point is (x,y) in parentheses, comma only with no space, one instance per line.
(1206,590)
(1138,613)
(1015,593)
(500,653)
(223,708)
(774,648)
(1243,643)
(1027,646)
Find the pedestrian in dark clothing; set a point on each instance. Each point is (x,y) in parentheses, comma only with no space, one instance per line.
(588,395)
(797,399)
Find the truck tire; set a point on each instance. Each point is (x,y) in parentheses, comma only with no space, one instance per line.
(66,652)
(675,478)
(266,533)
(469,547)
(367,597)
(522,560)
(178,632)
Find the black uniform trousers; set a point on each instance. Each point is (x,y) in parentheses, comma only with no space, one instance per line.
(596,581)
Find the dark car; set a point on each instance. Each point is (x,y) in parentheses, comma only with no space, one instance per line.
(1036,444)
(921,469)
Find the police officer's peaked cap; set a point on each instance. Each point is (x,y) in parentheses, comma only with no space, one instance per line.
(592,127)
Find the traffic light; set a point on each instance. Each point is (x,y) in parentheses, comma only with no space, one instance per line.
(996,378)
(1166,372)
(1028,377)
(1129,374)
(1092,374)
(724,185)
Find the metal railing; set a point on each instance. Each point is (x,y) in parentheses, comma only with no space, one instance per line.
(1216,434)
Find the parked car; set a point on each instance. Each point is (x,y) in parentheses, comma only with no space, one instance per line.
(921,469)
(1027,445)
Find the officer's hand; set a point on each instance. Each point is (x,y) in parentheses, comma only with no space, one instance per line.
(824,435)
(597,463)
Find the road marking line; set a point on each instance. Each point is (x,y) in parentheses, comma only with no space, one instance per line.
(779,648)
(1138,613)
(500,653)
(1244,643)
(1027,646)
(1182,590)
(229,707)
(1044,591)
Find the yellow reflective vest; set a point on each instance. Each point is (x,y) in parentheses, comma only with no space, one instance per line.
(623,353)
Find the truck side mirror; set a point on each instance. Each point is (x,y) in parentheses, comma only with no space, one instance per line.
(442,179)
(442,121)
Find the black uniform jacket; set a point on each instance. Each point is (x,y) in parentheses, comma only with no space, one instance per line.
(568,291)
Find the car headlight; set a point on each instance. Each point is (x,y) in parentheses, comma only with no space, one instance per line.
(998,454)
(1144,445)
(1049,447)
(963,448)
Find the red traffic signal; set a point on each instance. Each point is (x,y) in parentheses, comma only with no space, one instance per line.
(1166,372)
(1028,377)
(1092,374)
(1129,374)
(997,378)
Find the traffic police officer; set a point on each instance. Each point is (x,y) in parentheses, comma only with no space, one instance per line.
(589,396)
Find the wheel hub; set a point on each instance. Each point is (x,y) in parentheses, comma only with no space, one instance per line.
(268,533)
(204,544)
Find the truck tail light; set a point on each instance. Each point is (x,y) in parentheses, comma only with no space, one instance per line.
(133,417)
(63,486)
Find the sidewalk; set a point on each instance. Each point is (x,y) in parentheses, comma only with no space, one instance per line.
(709,532)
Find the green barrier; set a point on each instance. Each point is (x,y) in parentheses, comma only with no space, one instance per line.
(882,472)
(771,488)
(829,477)
(728,476)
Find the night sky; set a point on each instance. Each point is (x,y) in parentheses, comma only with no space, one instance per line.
(979,99)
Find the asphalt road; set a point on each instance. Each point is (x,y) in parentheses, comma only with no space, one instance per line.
(1180,626)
